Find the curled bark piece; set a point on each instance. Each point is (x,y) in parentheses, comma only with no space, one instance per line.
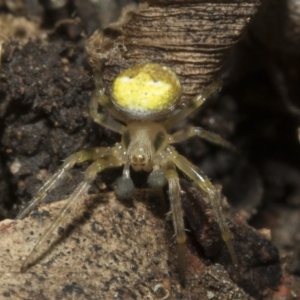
(191,37)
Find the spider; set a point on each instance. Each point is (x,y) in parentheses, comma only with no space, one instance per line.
(142,110)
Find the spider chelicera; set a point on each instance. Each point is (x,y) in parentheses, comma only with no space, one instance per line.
(142,110)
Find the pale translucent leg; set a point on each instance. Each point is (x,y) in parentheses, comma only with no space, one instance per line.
(80,191)
(204,183)
(177,215)
(99,97)
(103,119)
(196,102)
(79,157)
(189,132)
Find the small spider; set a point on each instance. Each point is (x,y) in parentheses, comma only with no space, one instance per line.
(142,110)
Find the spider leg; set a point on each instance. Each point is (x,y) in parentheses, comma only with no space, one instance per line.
(90,174)
(99,97)
(177,216)
(189,132)
(79,157)
(196,102)
(204,183)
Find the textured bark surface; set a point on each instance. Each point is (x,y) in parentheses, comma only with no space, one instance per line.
(193,38)
(112,251)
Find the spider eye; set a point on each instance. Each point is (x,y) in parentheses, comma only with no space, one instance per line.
(146,90)
(139,159)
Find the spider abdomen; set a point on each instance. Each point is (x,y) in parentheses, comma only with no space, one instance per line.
(146,91)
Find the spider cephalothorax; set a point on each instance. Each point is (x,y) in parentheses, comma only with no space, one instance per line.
(142,109)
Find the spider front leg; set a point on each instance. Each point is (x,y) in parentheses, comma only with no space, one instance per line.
(79,157)
(189,132)
(204,183)
(192,105)
(97,166)
(177,215)
(99,97)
